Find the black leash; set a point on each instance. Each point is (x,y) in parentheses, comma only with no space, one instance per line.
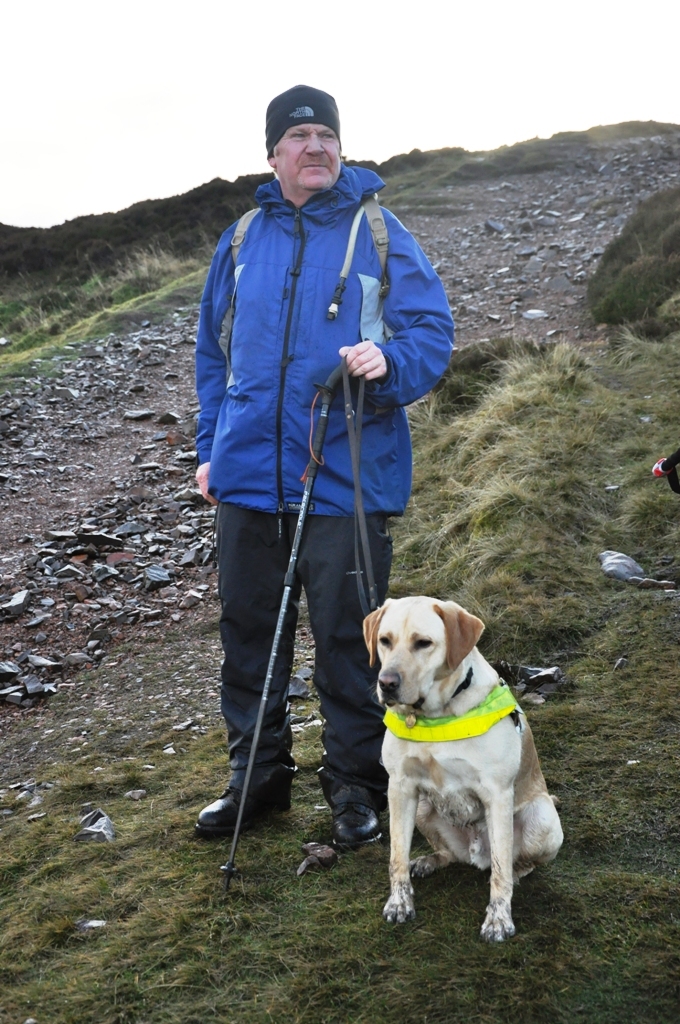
(354,422)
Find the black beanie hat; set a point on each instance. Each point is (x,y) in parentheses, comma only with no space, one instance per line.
(300,105)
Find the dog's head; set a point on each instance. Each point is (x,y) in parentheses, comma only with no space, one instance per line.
(419,641)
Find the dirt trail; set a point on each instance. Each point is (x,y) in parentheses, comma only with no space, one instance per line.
(100,531)
(516,255)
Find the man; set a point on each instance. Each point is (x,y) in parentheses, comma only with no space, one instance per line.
(253,446)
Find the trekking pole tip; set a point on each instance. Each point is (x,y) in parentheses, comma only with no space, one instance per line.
(229,870)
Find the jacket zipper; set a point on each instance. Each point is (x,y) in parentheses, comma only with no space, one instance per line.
(298,231)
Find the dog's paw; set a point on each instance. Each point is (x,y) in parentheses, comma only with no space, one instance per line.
(498,922)
(400,907)
(423,867)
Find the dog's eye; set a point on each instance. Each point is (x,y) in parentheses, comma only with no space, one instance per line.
(420,645)
(385,642)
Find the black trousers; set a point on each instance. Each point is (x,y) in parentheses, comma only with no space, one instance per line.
(253,550)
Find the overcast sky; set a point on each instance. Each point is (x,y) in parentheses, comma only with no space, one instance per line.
(107,104)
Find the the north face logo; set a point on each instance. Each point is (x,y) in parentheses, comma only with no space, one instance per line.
(302,112)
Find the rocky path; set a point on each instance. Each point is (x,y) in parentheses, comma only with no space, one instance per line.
(516,255)
(105,546)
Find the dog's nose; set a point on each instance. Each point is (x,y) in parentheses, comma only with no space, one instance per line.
(389,682)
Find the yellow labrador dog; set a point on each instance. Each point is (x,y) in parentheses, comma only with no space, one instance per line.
(460,756)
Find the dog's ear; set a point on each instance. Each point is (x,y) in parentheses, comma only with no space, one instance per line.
(371,627)
(462,631)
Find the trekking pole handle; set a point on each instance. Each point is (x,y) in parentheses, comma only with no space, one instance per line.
(327,392)
(328,389)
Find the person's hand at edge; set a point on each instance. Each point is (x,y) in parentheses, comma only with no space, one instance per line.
(202,479)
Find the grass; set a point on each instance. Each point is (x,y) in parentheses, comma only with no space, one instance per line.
(509,513)
(640,269)
(41,316)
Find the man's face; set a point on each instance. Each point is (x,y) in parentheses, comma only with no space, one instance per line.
(306,160)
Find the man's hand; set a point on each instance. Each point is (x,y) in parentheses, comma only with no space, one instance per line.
(365,360)
(202,477)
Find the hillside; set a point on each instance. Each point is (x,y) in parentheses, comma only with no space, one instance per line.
(531,457)
(555,203)
(187,221)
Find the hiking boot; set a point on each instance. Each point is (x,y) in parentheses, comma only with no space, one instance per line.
(269,791)
(354,825)
(355,810)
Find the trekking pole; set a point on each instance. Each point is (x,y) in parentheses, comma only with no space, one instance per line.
(327,392)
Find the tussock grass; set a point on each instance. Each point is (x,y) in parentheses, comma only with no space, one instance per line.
(505,504)
(37,311)
(509,514)
(639,272)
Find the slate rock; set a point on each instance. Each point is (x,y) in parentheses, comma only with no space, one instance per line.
(90,924)
(97,827)
(33,686)
(17,604)
(534,314)
(645,583)
(620,566)
(130,529)
(120,557)
(494,226)
(100,540)
(176,437)
(169,418)
(8,671)
(155,577)
(298,688)
(70,572)
(191,557)
(138,414)
(528,678)
(560,283)
(39,662)
(76,659)
(38,621)
(188,494)
(136,794)
(137,494)
(533,698)
(534,266)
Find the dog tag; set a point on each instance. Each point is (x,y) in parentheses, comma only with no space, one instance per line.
(410,721)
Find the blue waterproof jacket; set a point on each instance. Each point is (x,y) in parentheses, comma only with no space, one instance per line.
(254,421)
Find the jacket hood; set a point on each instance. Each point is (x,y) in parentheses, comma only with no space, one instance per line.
(353,184)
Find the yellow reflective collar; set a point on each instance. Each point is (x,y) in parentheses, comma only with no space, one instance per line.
(499,703)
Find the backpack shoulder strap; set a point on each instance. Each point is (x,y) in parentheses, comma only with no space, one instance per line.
(376,222)
(240,232)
